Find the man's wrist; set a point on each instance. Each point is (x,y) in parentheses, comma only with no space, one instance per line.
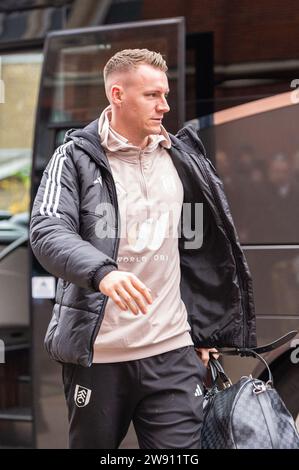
(101,273)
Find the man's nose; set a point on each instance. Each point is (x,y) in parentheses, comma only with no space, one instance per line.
(163,106)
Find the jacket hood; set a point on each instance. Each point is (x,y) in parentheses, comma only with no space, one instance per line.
(88,139)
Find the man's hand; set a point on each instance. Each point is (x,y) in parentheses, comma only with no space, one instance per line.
(204,355)
(127,291)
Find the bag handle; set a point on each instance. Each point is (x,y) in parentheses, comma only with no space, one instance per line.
(217,371)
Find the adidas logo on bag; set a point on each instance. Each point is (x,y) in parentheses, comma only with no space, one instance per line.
(198,391)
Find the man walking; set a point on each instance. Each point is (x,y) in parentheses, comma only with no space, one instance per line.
(141,298)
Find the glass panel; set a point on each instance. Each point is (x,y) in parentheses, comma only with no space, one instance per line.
(60,137)
(256,148)
(74,86)
(275,280)
(20,76)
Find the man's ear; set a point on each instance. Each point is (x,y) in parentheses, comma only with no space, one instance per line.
(117,95)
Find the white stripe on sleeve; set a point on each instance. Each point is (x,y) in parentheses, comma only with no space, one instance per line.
(53,182)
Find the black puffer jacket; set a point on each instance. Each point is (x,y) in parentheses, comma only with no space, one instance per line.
(68,217)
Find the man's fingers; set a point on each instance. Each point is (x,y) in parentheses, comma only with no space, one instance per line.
(214,353)
(116,298)
(205,357)
(204,354)
(129,290)
(142,289)
(127,299)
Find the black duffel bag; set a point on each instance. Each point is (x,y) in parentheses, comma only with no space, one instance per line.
(248,414)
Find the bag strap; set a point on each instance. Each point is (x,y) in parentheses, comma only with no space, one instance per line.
(217,370)
(260,349)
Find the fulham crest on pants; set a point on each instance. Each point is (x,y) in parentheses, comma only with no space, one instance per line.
(82,396)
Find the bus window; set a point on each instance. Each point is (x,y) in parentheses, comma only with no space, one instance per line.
(20,75)
(72,87)
(75,83)
(256,149)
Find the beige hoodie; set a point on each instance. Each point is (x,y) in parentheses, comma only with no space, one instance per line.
(150,197)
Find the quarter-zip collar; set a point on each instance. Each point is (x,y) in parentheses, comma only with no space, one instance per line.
(117,145)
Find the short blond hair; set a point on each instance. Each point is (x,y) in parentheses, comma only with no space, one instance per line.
(128,59)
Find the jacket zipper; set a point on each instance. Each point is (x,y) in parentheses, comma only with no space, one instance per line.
(219,207)
(114,256)
(142,179)
(116,246)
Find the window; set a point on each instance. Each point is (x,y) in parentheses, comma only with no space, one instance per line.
(256,149)
(20,75)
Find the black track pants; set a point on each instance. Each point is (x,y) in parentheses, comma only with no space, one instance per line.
(161,394)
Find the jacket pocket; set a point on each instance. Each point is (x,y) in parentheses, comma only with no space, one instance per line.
(72,337)
(50,333)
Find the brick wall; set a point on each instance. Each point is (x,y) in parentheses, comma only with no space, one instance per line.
(244,30)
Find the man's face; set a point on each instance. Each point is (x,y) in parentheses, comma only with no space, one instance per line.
(144,93)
